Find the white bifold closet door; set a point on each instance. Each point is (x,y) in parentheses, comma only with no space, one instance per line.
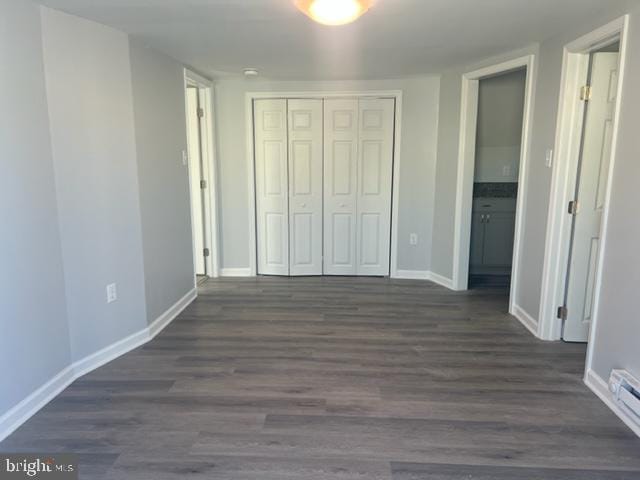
(340,185)
(305,186)
(358,171)
(288,158)
(272,198)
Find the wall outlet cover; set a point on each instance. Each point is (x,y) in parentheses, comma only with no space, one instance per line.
(112,293)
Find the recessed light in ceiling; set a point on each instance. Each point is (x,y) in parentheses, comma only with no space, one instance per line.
(250,72)
(334,12)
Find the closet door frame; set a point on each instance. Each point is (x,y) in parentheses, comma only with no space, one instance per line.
(249,136)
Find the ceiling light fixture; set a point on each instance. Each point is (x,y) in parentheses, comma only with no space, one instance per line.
(334,12)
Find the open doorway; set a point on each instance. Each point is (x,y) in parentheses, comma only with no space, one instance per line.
(198,182)
(495,183)
(506,161)
(587,205)
(200,158)
(593,70)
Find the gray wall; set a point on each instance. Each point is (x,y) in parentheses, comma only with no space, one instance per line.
(88,78)
(446,174)
(418,162)
(618,328)
(69,193)
(539,186)
(34,343)
(499,134)
(78,219)
(615,345)
(158,100)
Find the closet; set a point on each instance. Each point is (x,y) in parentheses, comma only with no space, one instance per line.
(323,180)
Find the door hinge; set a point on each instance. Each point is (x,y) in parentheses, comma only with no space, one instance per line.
(573,207)
(203,184)
(200,112)
(563,312)
(585,93)
(206,252)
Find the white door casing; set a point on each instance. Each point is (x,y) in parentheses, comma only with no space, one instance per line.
(305,186)
(374,174)
(271,165)
(591,192)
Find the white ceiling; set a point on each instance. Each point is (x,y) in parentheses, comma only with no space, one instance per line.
(395,38)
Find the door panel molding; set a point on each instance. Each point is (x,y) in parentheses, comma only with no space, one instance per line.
(375,172)
(305,186)
(344,122)
(591,174)
(340,186)
(271,170)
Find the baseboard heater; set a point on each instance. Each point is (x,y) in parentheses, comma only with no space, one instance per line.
(626,393)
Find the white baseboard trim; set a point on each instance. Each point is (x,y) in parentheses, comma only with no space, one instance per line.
(167,317)
(28,407)
(598,386)
(441,280)
(412,275)
(424,275)
(108,353)
(24,410)
(235,272)
(525,319)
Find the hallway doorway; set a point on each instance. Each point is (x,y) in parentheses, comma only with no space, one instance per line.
(200,159)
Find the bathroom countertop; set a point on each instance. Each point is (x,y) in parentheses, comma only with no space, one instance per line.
(495,190)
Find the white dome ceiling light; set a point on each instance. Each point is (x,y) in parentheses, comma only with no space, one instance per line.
(334,12)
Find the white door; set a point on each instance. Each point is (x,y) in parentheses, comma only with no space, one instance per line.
(272,206)
(305,186)
(340,186)
(195,178)
(591,191)
(374,173)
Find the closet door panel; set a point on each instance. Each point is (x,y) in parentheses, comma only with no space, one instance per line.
(375,174)
(305,186)
(340,186)
(272,210)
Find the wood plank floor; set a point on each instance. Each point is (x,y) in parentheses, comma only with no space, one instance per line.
(338,378)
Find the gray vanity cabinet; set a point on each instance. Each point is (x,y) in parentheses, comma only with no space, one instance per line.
(492,231)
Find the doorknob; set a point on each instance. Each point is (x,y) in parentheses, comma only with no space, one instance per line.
(342,205)
(303,205)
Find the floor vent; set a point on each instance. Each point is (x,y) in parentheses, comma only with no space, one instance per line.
(626,392)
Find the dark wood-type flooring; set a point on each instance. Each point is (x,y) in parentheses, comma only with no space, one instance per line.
(338,378)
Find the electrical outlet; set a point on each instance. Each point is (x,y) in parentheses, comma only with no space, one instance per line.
(112,293)
(506,170)
(185,157)
(413,239)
